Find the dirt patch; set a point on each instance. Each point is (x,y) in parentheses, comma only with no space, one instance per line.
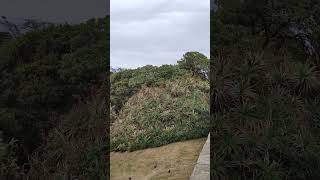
(173,161)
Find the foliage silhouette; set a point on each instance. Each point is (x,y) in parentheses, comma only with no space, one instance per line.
(264,85)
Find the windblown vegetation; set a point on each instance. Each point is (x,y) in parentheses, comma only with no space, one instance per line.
(154,106)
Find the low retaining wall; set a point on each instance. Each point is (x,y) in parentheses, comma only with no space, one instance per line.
(201,170)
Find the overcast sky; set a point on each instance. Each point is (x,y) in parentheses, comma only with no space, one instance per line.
(72,11)
(157,32)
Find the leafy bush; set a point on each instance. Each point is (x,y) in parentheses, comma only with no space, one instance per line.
(44,73)
(8,165)
(77,147)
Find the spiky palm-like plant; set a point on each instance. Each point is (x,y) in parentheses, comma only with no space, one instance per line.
(305,80)
(221,84)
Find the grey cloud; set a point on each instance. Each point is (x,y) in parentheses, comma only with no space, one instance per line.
(157,31)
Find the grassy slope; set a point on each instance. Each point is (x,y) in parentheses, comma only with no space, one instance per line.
(156,116)
(155,163)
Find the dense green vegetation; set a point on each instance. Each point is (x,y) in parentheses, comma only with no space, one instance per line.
(126,83)
(52,108)
(265,90)
(153,106)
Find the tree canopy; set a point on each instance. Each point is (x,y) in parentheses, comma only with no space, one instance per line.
(196,62)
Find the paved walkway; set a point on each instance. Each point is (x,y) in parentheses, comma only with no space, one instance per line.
(201,170)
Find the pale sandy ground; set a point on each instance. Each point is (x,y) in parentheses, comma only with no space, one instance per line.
(175,161)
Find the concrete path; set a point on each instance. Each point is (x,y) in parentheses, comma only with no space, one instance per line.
(201,170)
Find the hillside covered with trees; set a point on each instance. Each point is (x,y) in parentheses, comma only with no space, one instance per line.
(265,90)
(154,106)
(53,84)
